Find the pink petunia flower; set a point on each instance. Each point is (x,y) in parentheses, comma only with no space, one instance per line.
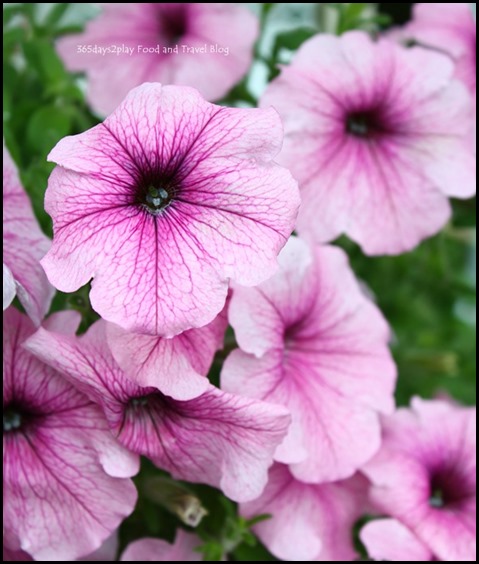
(217,438)
(106,552)
(388,539)
(425,476)
(164,203)
(377,136)
(63,472)
(177,367)
(451,28)
(219,38)
(311,340)
(308,522)
(24,245)
(15,555)
(156,550)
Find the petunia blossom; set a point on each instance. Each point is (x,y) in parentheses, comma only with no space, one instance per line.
(177,366)
(451,28)
(156,550)
(425,476)
(310,340)
(164,203)
(216,439)
(65,477)
(308,522)
(377,136)
(207,46)
(106,552)
(15,555)
(24,245)
(388,539)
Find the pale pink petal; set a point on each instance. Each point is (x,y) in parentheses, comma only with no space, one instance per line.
(388,539)
(15,555)
(24,245)
(59,502)
(150,550)
(308,522)
(326,360)
(259,314)
(377,136)
(449,27)
(66,322)
(9,289)
(210,28)
(230,214)
(425,476)
(217,438)
(107,551)
(177,367)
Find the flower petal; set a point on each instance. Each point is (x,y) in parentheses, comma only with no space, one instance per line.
(9,289)
(327,361)
(218,439)
(150,550)
(177,367)
(388,539)
(230,217)
(24,245)
(54,467)
(308,522)
(386,185)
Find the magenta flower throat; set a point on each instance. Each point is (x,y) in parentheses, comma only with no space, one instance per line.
(164,203)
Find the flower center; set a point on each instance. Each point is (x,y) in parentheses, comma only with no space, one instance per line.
(173,23)
(154,196)
(138,403)
(152,401)
(365,124)
(449,488)
(157,198)
(15,418)
(12,420)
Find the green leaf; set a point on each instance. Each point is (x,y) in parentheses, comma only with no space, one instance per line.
(212,552)
(381,20)
(46,127)
(256,553)
(56,13)
(258,519)
(465,213)
(354,10)
(42,57)
(293,39)
(10,11)
(12,38)
(266,9)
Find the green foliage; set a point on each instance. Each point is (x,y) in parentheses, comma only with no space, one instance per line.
(42,101)
(292,39)
(358,16)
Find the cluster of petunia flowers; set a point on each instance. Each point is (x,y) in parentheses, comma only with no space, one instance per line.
(179,213)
